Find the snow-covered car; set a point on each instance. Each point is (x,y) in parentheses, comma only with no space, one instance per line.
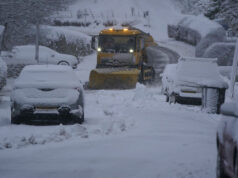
(3,73)
(47,93)
(26,55)
(183,82)
(227,142)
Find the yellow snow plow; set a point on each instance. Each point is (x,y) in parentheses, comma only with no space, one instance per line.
(121,59)
(113,78)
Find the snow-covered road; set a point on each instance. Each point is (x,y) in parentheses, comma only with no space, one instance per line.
(127,133)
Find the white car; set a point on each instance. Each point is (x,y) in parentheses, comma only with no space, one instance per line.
(183,82)
(26,55)
(3,73)
(50,93)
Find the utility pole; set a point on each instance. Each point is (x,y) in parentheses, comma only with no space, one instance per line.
(1,37)
(234,71)
(37,41)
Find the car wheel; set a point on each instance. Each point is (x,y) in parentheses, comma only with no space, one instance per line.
(15,120)
(220,172)
(172,98)
(79,120)
(63,63)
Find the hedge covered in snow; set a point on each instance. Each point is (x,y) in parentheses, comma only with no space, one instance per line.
(67,40)
(224,52)
(192,29)
(217,35)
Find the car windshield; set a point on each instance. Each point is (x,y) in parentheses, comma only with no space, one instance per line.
(47,79)
(193,69)
(117,44)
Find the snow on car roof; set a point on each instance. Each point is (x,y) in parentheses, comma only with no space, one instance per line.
(30,47)
(47,76)
(201,71)
(196,71)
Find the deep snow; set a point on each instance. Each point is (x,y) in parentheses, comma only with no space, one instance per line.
(127,133)
(132,133)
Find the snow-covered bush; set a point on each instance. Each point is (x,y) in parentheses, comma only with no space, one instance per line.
(217,35)
(67,40)
(192,29)
(3,73)
(224,52)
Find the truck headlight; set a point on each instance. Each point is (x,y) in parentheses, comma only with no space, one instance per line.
(99,49)
(131,51)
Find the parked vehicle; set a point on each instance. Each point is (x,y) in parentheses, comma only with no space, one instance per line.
(227,142)
(26,55)
(183,82)
(3,73)
(47,93)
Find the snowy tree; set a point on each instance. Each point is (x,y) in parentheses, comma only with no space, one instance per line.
(225,9)
(193,6)
(19,16)
(214,8)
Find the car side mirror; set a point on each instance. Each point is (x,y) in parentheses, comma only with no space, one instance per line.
(229,109)
(52,55)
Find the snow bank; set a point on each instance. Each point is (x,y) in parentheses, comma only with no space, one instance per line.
(224,52)
(230,109)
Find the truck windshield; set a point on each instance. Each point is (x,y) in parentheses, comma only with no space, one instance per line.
(117,44)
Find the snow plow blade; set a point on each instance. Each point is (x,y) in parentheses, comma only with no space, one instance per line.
(113,78)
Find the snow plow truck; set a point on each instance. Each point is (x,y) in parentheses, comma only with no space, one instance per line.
(121,59)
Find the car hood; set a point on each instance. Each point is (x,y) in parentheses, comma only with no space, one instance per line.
(38,97)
